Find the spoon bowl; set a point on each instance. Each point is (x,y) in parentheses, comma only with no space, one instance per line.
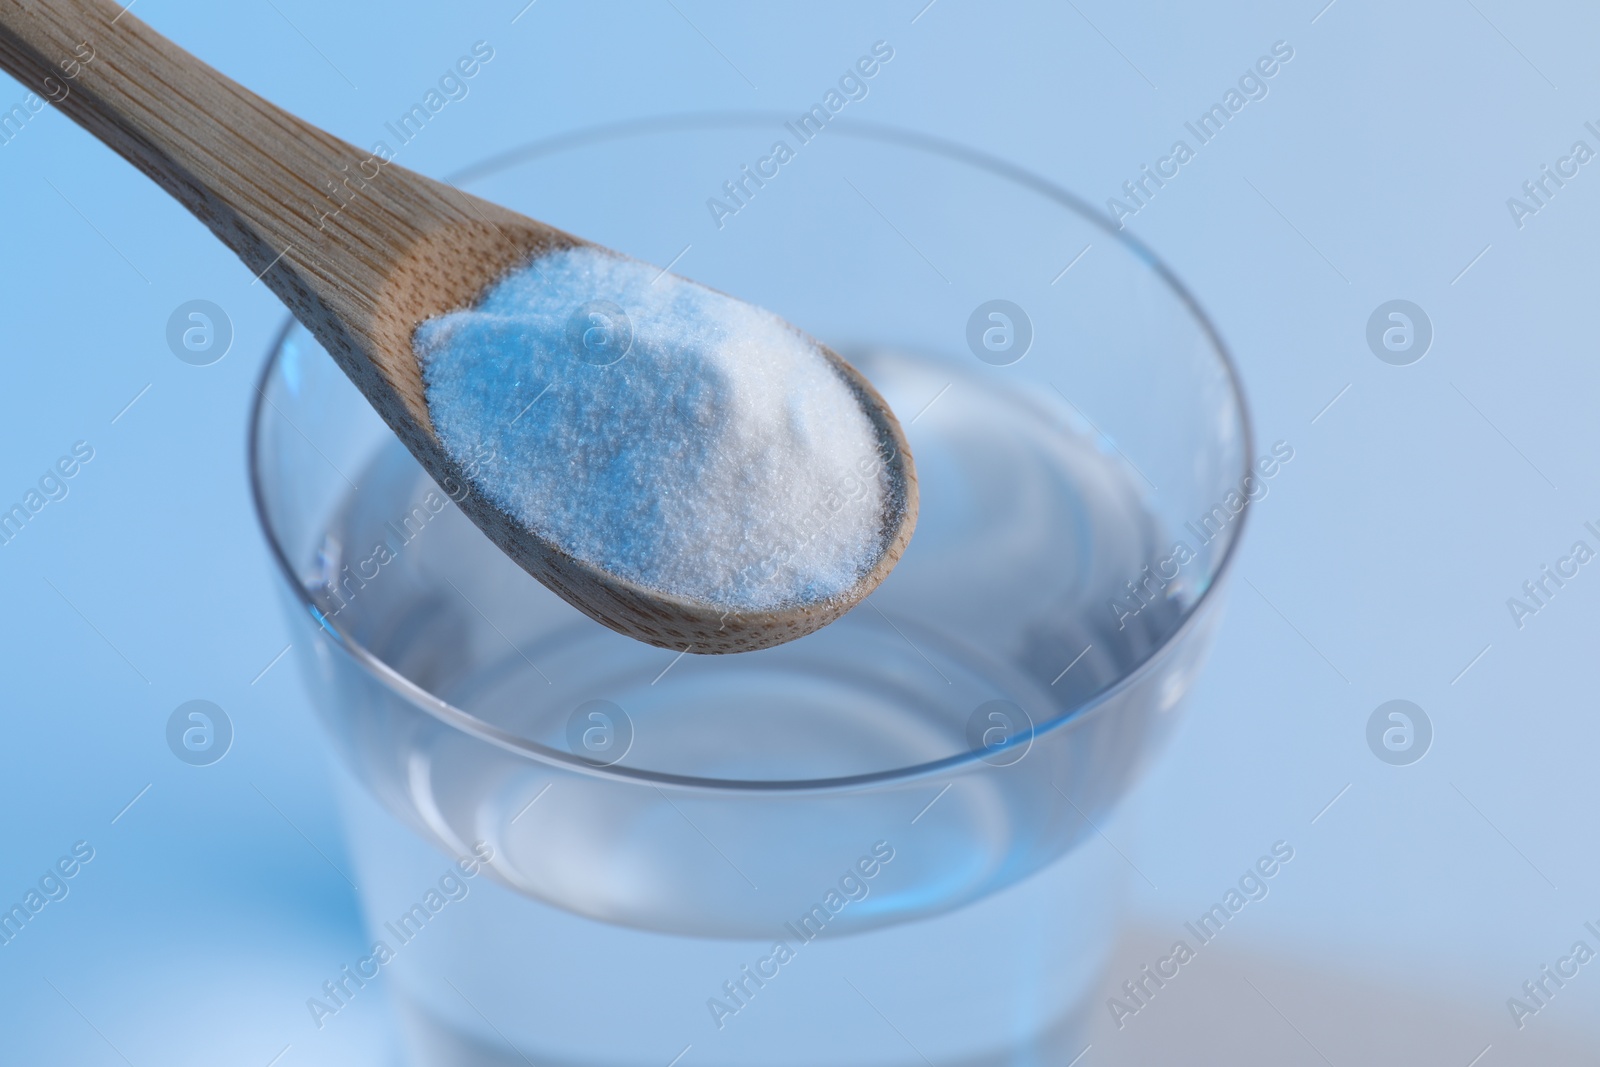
(449,268)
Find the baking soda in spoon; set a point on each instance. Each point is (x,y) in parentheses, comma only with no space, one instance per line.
(661,431)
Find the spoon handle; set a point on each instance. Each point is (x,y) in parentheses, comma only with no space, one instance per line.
(328,227)
(264,181)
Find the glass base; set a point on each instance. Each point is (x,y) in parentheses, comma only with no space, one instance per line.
(493,977)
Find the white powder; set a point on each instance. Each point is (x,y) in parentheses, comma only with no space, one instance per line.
(719,457)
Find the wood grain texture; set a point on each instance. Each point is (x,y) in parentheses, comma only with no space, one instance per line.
(362,251)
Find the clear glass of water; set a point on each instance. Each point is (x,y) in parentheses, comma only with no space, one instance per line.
(859,848)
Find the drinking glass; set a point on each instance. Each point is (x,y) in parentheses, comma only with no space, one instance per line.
(874,845)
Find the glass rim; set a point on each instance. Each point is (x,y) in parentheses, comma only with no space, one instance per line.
(470,724)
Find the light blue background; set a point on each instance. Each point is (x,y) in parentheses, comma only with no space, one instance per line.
(1379,567)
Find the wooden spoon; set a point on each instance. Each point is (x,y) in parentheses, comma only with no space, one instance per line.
(403,249)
